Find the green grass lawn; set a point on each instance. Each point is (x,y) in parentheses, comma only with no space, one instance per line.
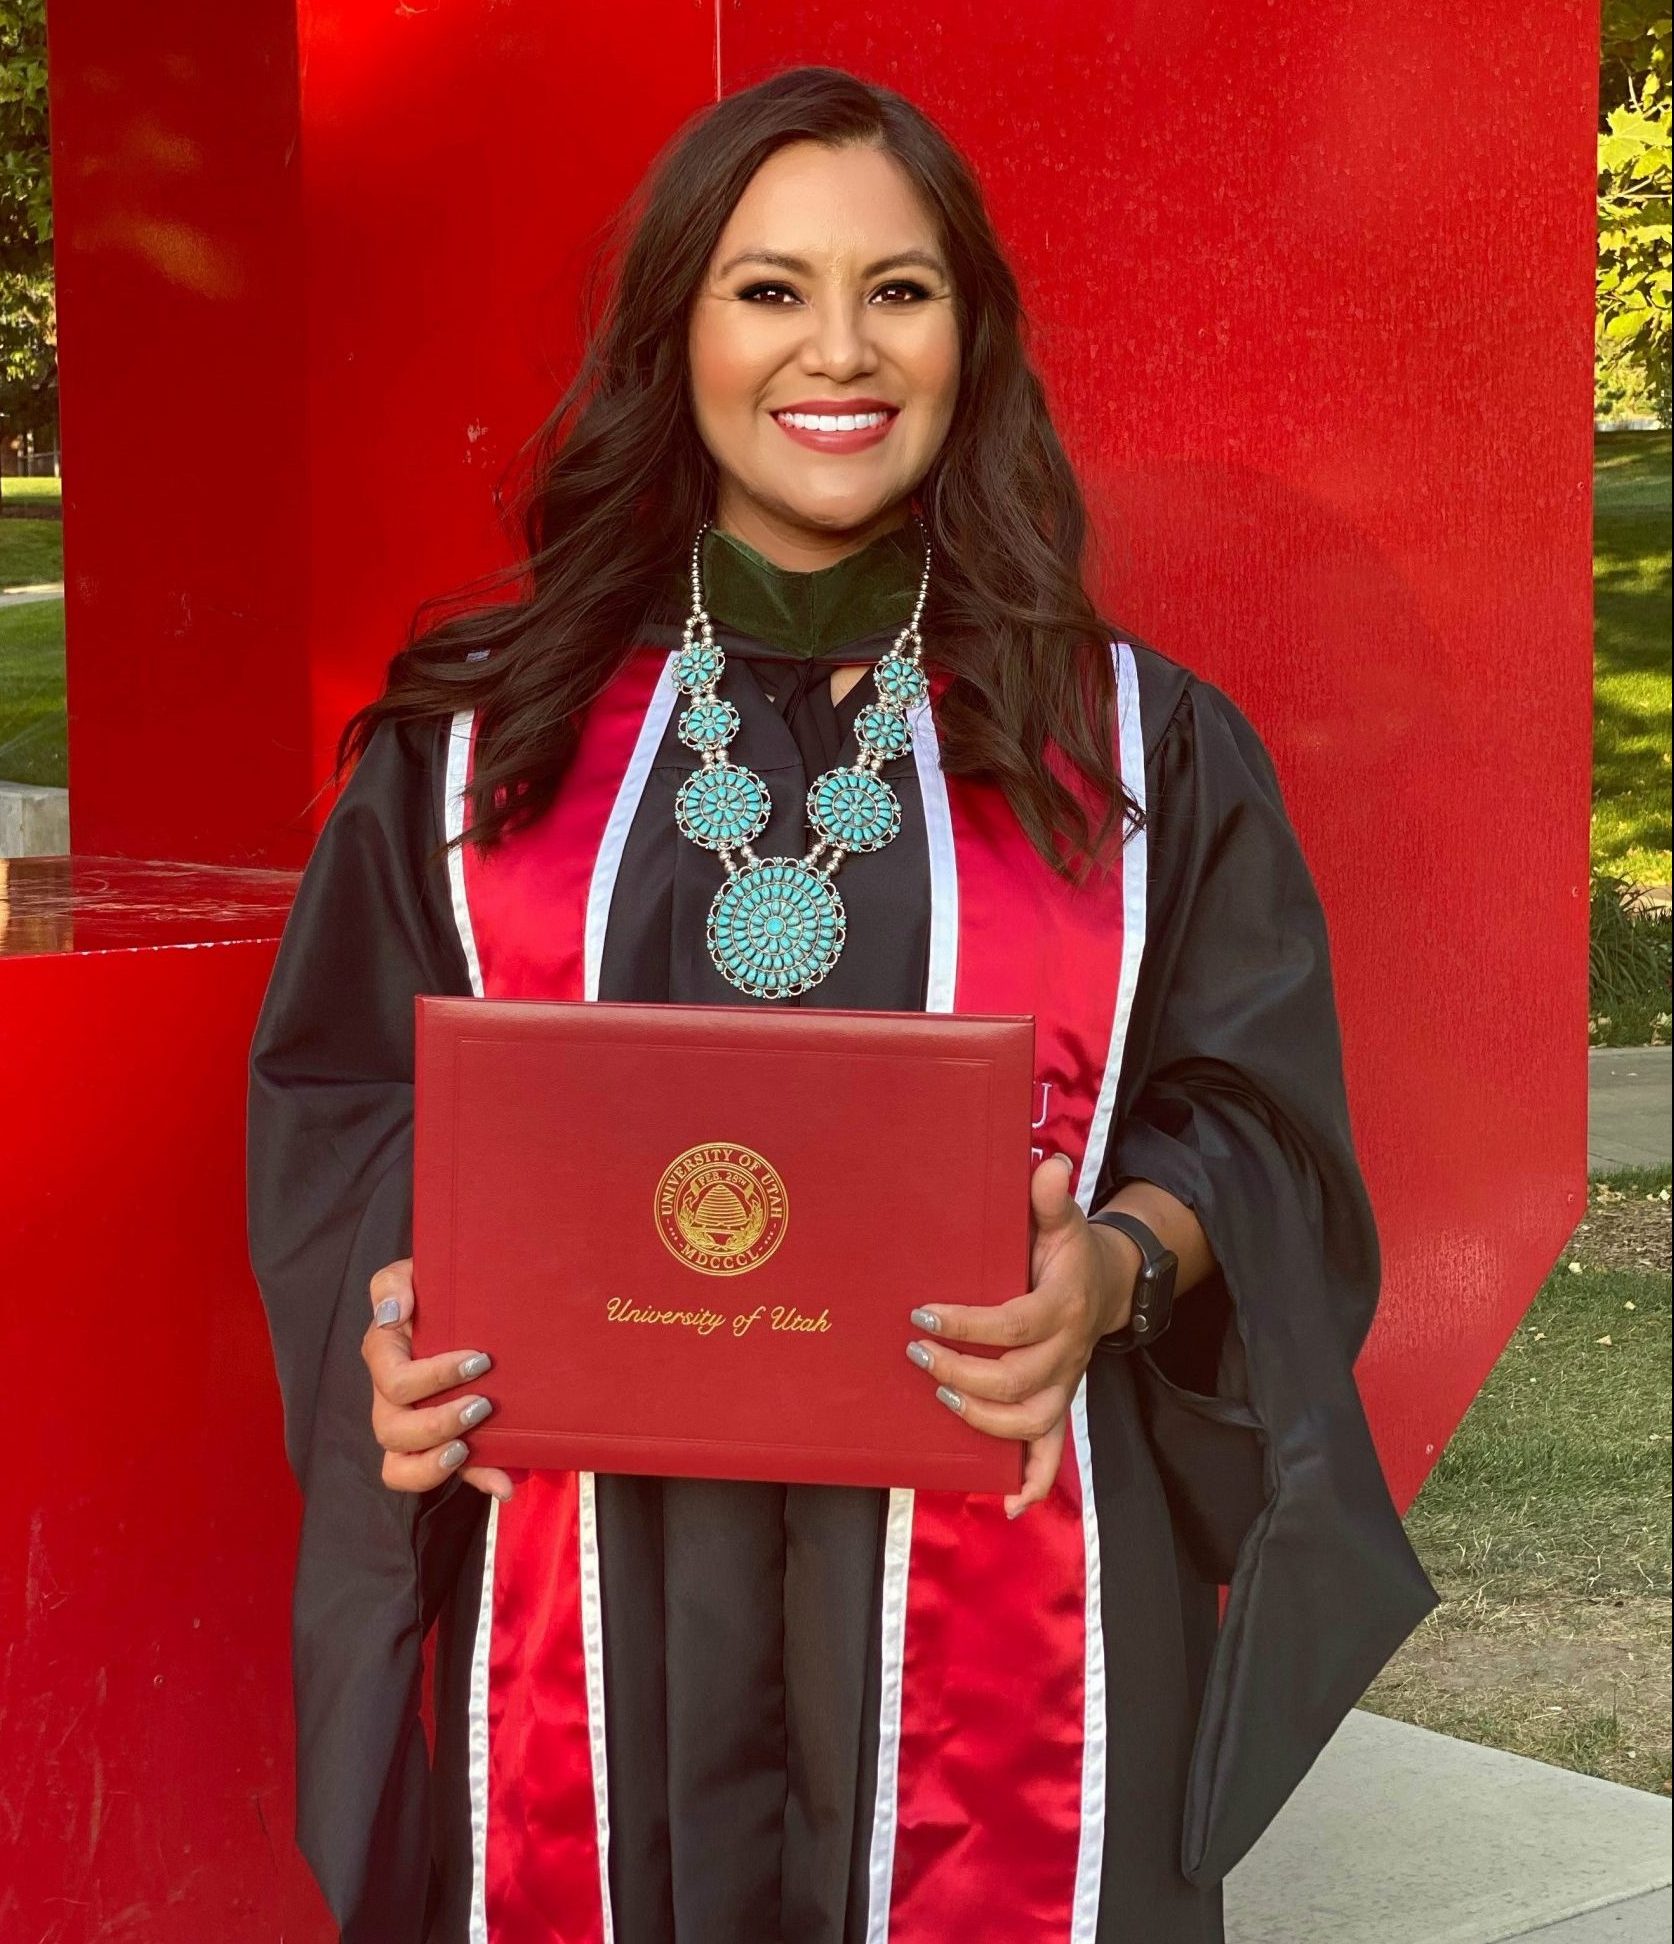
(1632,554)
(32,693)
(1546,1524)
(32,724)
(31,551)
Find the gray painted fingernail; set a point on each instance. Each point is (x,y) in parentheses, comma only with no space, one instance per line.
(474,1366)
(387,1312)
(474,1413)
(919,1355)
(923,1319)
(453,1456)
(950,1398)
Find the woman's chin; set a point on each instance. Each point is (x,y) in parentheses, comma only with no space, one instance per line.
(834,512)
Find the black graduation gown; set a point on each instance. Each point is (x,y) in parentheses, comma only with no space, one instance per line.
(741,1652)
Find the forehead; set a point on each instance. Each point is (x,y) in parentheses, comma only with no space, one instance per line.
(808,200)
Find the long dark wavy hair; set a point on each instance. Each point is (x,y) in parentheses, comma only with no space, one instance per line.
(618,481)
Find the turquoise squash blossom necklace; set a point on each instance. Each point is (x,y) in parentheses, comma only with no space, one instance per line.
(776,927)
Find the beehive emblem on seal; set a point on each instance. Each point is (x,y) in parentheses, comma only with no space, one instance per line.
(721,1209)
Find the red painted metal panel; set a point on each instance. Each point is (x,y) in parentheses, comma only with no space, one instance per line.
(1316,320)
(184,427)
(146,1520)
(319,276)
(459,166)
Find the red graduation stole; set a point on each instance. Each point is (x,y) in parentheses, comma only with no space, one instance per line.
(992,1731)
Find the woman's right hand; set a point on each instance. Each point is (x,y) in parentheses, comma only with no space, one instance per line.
(423,1444)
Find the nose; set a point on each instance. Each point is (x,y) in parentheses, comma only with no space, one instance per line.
(839,343)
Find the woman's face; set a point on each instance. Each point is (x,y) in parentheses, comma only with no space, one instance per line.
(828,294)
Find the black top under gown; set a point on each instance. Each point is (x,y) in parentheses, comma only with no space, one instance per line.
(741,1653)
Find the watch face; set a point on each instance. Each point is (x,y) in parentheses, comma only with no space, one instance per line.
(1153,1293)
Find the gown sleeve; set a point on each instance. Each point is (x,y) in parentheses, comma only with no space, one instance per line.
(329,1201)
(1232,1098)
(1235,1031)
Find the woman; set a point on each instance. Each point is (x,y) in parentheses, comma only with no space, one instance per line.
(719,1713)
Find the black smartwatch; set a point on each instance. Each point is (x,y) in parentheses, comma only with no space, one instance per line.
(1153,1290)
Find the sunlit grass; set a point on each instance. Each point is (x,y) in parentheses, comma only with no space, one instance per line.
(1632,558)
(31,489)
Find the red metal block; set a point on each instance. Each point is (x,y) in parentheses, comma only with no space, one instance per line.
(146,1517)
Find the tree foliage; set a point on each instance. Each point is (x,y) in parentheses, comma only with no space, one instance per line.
(28,334)
(1633,207)
(25,177)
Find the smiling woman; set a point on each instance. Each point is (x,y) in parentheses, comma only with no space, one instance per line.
(805,571)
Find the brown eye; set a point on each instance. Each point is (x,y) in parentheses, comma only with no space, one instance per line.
(754,291)
(914,290)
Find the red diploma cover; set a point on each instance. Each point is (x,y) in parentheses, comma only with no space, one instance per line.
(691,1236)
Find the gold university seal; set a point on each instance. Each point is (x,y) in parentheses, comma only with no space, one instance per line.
(721,1209)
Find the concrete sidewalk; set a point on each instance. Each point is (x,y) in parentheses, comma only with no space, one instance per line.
(1630,1103)
(1401,1836)
(34,591)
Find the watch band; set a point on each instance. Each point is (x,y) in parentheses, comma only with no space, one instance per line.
(1153,1290)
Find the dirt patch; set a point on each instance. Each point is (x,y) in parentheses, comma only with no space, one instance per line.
(1630,1230)
(1579,1683)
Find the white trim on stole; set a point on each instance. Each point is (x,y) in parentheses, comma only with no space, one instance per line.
(600,891)
(944,957)
(898,1531)
(476,1733)
(1089,1867)
(476,1712)
(622,814)
(459,761)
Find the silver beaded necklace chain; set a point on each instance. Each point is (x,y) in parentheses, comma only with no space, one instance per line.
(776,927)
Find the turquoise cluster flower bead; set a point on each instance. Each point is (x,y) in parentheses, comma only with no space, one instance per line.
(855,809)
(698,666)
(708,724)
(722,806)
(900,681)
(883,731)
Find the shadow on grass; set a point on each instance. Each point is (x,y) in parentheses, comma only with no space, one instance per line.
(32,708)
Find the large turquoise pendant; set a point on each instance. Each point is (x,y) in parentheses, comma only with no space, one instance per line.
(776,928)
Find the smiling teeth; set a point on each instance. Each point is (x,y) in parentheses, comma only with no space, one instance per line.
(833,422)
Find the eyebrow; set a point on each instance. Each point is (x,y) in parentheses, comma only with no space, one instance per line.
(907,259)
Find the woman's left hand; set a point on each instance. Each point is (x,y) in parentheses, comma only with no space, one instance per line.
(1083,1286)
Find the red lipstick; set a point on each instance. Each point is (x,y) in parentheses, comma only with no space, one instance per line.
(855,440)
